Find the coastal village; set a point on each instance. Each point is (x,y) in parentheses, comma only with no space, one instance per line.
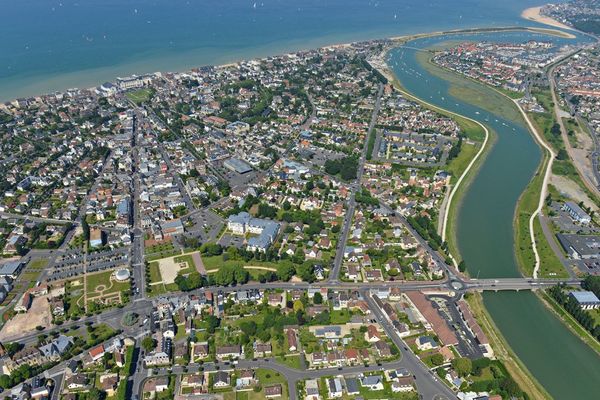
(267,229)
(165,185)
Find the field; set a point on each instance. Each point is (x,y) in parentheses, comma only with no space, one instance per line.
(213,263)
(550,265)
(102,288)
(526,206)
(160,250)
(37,315)
(140,96)
(163,272)
(291,361)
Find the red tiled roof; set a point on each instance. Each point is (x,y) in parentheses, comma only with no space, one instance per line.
(439,325)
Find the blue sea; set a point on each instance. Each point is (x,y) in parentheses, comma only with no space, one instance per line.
(49,45)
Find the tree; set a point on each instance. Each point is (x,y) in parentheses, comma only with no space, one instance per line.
(462,366)
(241,276)
(306,272)
(225,276)
(318,298)
(95,394)
(5,381)
(286,205)
(148,343)
(213,323)
(285,272)
(264,335)
(298,306)
(437,359)
(248,327)
(211,249)
(510,387)
(562,154)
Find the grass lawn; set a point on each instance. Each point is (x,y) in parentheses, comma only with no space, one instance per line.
(340,317)
(140,96)
(154,272)
(291,361)
(268,377)
(230,395)
(180,332)
(550,265)
(242,395)
(38,263)
(100,288)
(191,266)
(103,279)
(213,263)
(526,206)
(458,165)
(164,254)
(159,248)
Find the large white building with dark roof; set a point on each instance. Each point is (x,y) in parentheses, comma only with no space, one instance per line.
(243,223)
(586,300)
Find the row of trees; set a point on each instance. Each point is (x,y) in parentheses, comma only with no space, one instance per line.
(427,230)
(572,307)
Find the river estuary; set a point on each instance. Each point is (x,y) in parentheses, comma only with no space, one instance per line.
(564,365)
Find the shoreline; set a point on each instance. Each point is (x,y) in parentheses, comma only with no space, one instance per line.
(533,14)
(141,66)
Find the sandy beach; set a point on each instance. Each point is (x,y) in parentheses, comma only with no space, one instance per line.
(533,14)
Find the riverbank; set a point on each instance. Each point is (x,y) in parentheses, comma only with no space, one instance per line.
(474,131)
(530,242)
(569,321)
(501,348)
(503,351)
(497,104)
(533,14)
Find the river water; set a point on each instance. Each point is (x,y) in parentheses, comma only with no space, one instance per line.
(562,363)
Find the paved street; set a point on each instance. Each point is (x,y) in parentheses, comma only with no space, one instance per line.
(428,384)
(334,274)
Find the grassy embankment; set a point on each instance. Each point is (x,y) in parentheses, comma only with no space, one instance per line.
(498,101)
(503,352)
(544,123)
(569,321)
(487,98)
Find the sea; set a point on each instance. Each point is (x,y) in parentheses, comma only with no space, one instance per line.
(51,45)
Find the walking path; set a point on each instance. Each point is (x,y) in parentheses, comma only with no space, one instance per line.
(544,189)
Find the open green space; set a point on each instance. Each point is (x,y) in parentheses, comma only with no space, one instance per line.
(102,281)
(191,265)
(550,264)
(294,361)
(528,202)
(140,96)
